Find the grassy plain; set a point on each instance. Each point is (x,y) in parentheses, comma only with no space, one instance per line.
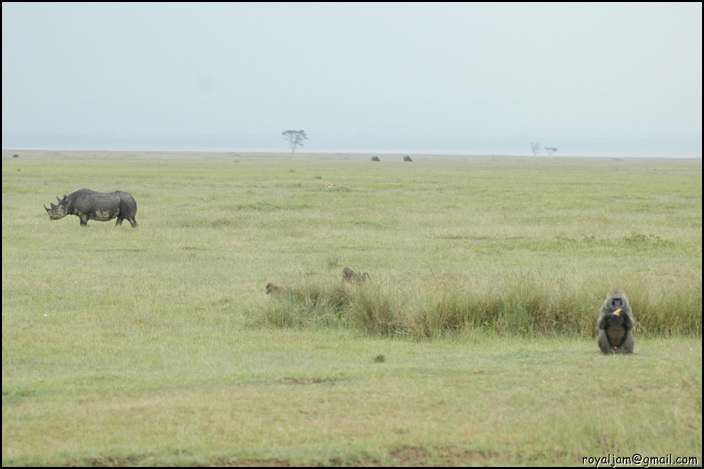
(473,343)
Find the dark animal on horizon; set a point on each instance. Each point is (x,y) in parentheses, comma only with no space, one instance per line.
(615,324)
(351,275)
(375,158)
(15,155)
(90,205)
(407,158)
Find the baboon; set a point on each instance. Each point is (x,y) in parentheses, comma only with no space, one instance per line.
(407,158)
(273,289)
(351,275)
(375,158)
(615,324)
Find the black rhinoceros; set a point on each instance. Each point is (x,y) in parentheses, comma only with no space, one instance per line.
(90,205)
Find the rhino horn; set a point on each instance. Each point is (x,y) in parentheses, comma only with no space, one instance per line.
(57,198)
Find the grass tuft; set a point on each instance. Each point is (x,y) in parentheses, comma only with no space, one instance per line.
(524,307)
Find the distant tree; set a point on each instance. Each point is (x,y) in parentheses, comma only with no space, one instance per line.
(295,138)
(550,150)
(535,148)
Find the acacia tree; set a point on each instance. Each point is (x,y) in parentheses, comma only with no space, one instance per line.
(295,138)
(534,147)
(550,150)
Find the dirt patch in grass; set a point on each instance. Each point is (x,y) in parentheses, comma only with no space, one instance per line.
(288,380)
(444,456)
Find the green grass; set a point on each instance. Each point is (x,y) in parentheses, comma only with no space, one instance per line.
(472,343)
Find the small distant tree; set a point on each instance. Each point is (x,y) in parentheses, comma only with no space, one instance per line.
(535,148)
(550,150)
(295,138)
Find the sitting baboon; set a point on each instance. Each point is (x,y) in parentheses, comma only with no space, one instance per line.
(351,275)
(273,289)
(615,324)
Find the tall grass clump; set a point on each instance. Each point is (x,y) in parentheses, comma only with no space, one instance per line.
(376,310)
(306,306)
(516,304)
(524,310)
(667,310)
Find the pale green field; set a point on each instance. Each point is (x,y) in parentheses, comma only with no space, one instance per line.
(473,343)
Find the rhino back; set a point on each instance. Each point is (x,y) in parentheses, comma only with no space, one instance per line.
(86,198)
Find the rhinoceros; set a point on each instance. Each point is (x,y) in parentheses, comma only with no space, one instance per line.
(90,205)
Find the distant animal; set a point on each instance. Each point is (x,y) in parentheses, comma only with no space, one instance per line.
(273,289)
(375,158)
(615,324)
(407,158)
(351,275)
(15,155)
(90,205)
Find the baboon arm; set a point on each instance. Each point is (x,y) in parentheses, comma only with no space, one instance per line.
(602,323)
(627,322)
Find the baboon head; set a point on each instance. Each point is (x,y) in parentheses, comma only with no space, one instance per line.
(349,274)
(616,300)
(58,211)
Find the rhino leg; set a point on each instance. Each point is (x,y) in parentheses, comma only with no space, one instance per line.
(132,220)
(84,219)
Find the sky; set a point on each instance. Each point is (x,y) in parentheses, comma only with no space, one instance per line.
(115,73)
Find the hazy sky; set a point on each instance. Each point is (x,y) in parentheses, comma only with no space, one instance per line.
(566,70)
